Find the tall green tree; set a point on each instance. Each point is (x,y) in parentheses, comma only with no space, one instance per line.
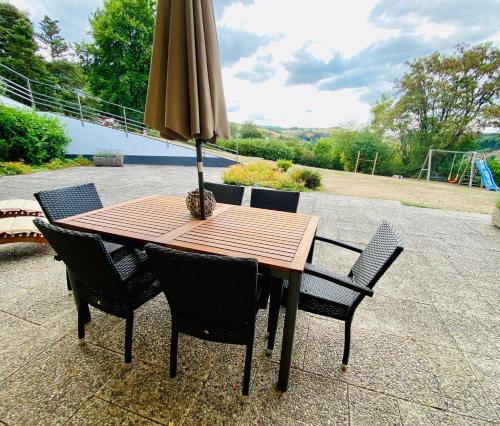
(117,60)
(18,47)
(249,130)
(443,101)
(50,36)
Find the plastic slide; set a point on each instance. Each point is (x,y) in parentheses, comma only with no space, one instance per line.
(486,176)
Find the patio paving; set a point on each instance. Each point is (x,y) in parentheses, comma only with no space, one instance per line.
(425,348)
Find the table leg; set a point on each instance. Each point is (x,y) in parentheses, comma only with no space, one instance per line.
(289,330)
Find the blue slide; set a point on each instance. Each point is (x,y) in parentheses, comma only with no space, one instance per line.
(486,176)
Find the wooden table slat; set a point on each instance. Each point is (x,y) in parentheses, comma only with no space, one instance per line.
(157,230)
(250,245)
(209,232)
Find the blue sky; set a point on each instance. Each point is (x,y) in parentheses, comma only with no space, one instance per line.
(315,63)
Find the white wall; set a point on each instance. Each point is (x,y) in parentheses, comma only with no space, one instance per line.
(88,138)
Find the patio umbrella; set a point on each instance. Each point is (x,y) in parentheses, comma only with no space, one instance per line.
(185,95)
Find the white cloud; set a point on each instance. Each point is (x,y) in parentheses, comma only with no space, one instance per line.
(428,30)
(272,102)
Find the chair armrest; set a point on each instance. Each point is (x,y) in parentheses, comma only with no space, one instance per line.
(338,243)
(338,280)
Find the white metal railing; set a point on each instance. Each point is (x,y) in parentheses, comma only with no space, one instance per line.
(77,104)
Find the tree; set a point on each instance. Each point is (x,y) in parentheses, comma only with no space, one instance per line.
(117,60)
(443,101)
(234,129)
(249,130)
(51,38)
(18,47)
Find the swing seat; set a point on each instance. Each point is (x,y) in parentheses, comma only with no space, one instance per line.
(453,180)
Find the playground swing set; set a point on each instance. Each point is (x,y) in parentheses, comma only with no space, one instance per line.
(360,159)
(466,173)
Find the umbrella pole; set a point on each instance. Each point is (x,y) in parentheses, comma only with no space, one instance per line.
(199,161)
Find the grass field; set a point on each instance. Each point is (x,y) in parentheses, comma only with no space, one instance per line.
(409,191)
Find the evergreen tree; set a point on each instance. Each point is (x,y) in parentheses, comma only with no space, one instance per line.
(51,38)
(18,47)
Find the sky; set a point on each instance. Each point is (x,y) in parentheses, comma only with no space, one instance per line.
(314,63)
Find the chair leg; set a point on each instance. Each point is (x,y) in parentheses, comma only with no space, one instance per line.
(129,329)
(248,368)
(274,312)
(81,321)
(347,344)
(68,282)
(82,310)
(174,343)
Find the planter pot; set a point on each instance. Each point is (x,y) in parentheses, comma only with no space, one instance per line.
(108,161)
(496,218)
(193,203)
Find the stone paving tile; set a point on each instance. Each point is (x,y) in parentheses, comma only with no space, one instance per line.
(404,318)
(414,414)
(475,334)
(147,391)
(400,367)
(311,400)
(53,386)
(371,408)
(21,342)
(404,288)
(102,413)
(486,370)
(35,305)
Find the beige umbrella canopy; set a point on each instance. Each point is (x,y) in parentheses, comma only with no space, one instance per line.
(185,94)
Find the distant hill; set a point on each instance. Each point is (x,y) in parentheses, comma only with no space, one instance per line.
(301,133)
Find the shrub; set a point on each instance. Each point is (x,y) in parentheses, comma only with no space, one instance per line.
(494,166)
(34,138)
(14,168)
(81,161)
(311,179)
(55,164)
(307,158)
(260,174)
(284,164)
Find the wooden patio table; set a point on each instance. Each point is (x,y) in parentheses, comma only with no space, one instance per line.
(279,241)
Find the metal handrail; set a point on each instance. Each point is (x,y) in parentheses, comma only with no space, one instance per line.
(79,109)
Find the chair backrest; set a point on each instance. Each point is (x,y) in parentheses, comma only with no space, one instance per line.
(382,250)
(227,194)
(64,202)
(207,288)
(87,260)
(271,199)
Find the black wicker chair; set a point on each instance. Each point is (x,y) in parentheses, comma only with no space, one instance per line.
(212,298)
(64,202)
(227,194)
(325,293)
(284,201)
(271,199)
(115,287)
